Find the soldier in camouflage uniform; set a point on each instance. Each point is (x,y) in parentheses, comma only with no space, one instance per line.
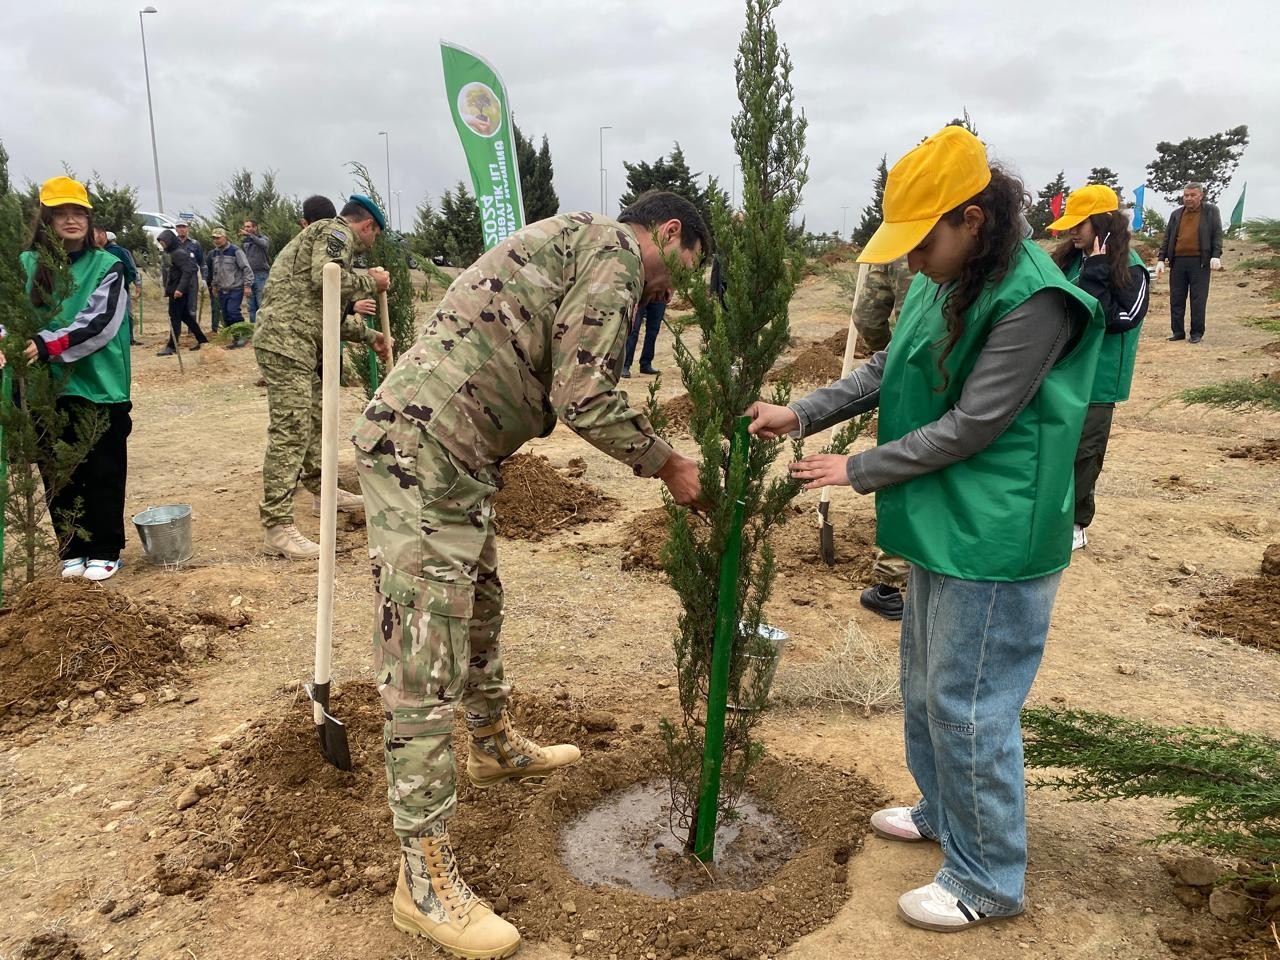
(287,343)
(533,332)
(875,317)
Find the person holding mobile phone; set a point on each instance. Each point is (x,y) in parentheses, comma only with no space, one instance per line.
(1097,258)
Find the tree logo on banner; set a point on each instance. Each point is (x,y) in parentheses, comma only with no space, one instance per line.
(480,109)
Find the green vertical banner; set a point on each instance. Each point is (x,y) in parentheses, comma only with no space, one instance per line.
(478,102)
(1237,215)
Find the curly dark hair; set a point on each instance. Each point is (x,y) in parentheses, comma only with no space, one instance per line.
(999,239)
(46,243)
(1114,223)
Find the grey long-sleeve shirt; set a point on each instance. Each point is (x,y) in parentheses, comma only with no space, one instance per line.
(1020,351)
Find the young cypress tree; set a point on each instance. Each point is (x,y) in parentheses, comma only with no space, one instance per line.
(741,337)
(873,212)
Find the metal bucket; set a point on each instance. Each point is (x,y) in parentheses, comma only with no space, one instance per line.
(761,664)
(165,533)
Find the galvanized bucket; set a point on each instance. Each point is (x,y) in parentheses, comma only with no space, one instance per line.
(762,659)
(165,533)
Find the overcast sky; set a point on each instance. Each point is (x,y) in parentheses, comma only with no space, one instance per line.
(304,87)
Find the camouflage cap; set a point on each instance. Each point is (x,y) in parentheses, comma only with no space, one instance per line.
(374,210)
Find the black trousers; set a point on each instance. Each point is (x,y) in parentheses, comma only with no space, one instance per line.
(1186,275)
(88,512)
(178,315)
(1089,457)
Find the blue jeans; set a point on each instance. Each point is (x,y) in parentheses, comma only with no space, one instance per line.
(255,298)
(650,317)
(229,306)
(970,650)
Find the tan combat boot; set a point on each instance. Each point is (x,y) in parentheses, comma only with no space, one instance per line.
(347,502)
(433,901)
(288,542)
(500,752)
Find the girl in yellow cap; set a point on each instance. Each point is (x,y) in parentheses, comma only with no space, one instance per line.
(1096,257)
(982,393)
(85,341)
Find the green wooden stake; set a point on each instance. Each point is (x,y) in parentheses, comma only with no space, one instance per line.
(704,844)
(373,359)
(4,471)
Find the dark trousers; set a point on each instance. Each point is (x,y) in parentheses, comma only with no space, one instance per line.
(229,307)
(650,317)
(178,315)
(1186,275)
(1089,457)
(88,511)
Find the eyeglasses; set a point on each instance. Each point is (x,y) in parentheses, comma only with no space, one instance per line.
(70,213)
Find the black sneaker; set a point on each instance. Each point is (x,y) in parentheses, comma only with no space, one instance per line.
(194,347)
(626,372)
(650,371)
(1195,339)
(167,352)
(1177,336)
(884,600)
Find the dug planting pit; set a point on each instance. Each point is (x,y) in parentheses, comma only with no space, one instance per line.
(536,500)
(273,811)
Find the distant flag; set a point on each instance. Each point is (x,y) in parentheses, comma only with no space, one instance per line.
(1237,215)
(1055,205)
(1139,197)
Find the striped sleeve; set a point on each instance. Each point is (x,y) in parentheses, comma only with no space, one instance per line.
(94,326)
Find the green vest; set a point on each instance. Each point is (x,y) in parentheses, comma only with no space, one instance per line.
(104,375)
(1119,350)
(1006,512)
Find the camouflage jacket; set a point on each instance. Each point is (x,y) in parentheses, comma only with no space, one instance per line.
(289,320)
(532,331)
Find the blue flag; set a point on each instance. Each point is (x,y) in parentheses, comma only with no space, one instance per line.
(1139,194)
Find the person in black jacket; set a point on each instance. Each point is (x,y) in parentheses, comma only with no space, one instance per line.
(1192,246)
(178,284)
(1097,258)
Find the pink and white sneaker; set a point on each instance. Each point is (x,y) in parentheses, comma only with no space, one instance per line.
(895,823)
(101,569)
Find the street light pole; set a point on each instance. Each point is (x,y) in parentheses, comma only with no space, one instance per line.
(604,176)
(383,133)
(399,219)
(844,221)
(146,71)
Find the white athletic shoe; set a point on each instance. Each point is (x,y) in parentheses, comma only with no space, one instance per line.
(895,823)
(73,567)
(1079,538)
(932,908)
(101,569)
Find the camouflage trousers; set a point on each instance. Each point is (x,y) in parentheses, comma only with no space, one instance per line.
(890,570)
(293,434)
(438,609)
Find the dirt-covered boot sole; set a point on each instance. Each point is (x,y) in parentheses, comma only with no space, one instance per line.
(535,779)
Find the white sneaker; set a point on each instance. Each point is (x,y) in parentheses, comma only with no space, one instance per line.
(1079,538)
(73,567)
(932,908)
(895,823)
(101,569)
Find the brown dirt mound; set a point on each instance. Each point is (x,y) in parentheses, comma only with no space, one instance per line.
(814,364)
(795,547)
(536,500)
(679,412)
(1264,450)
(277,812)
(70,644)
(1248,610)
(50,945)
(1272,348)
(835,343)
(1271,561)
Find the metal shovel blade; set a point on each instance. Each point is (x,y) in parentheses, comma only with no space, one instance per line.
(826,535)
(332,731)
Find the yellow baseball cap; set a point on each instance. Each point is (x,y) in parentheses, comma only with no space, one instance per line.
(943,172)
(63,190)
(1085,202)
